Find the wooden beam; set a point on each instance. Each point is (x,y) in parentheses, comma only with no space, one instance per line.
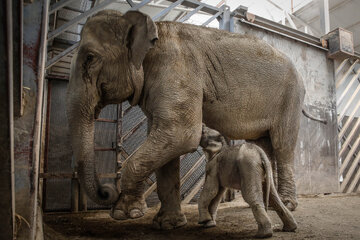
(356,75)
(194,191)
(349,137)
(354,182)
(350,172)
(349,156)
(349,120)
(339,82)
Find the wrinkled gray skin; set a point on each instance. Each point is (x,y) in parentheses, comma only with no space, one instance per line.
(181,75)
(241,167)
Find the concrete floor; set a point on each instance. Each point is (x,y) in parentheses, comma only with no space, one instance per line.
(334,216)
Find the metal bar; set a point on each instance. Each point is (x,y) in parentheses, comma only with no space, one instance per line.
(38,114)
(61,55)
(194,4)
(194,191)
(338,83)
(350,173)
(10,52)
(150,190)
(7,211)
(58,5)
(324,16)
(278,28)
(131,3)
(127,110)
(212,18)
(290,21)
(348,121)
(348,87)
(349,137)
(192,169)
(283,34)
(77,19)
(137,6)
(348,157)
(166,10)
(354,182)
(73,9)
(295,17)
(188,15)
(105,120)
(47,139)
(132,130)
(353,95)
(341,66)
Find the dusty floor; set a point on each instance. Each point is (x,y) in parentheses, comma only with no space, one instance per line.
(334,216)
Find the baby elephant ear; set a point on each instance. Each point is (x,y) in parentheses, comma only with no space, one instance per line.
(141,36)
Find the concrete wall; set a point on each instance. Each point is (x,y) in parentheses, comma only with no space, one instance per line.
(23,129)
(316,165)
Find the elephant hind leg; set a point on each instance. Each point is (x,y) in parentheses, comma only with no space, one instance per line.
(168,189)
(251,189)
(283,139)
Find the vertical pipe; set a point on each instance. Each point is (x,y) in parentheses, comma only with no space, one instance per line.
(324,16)
(9,39)
(47,141)
(38,114)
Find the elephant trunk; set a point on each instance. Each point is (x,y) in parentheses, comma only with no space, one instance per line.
(82,126)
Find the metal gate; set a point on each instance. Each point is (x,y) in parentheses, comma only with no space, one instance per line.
(348,104)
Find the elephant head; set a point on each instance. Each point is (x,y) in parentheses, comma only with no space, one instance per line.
(106,69)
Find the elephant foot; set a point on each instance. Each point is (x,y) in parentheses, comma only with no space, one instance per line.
(209,224)
(169,220)
(289,227)
(264,232)
(128,207)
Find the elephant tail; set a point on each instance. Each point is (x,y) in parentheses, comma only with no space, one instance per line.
(308,115)
(269,178)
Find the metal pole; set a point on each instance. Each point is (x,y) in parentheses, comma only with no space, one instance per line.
(324,16)
(38,114)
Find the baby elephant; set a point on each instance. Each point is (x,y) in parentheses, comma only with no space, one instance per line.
(242,167)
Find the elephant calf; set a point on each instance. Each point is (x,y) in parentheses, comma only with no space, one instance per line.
(240,167)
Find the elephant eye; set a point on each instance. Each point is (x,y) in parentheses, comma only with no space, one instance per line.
(89,58)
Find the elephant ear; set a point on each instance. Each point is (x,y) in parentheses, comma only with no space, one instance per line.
(141,36)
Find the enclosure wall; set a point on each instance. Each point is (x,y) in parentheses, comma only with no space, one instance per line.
(316,166)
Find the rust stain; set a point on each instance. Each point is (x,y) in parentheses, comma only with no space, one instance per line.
(31,54)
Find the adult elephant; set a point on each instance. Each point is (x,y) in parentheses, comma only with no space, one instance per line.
(181,75)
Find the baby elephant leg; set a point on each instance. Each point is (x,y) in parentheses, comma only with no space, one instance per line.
(214,206)
(251,189)
(207,196)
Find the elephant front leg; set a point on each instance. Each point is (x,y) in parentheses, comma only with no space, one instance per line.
(159,147)
(168,189)
(209,199)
